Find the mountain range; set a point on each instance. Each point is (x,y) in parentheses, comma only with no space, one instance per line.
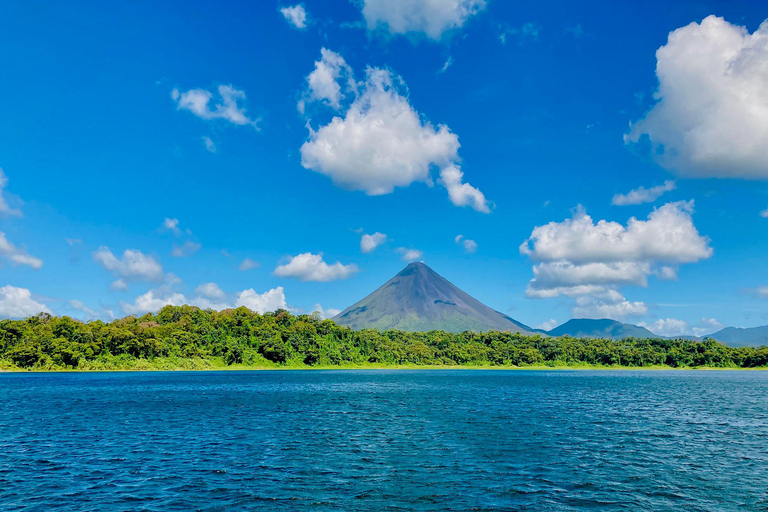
(420,299)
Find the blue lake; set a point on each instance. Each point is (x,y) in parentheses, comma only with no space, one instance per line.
(385,440)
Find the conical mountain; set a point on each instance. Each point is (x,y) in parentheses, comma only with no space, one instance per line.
(419,299)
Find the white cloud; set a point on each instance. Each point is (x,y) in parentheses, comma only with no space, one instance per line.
(707,326)
(16,255)
(248,264)
(153,301)
(588,261)
(210,146)
(382,142)
(325,313)
(469,245)
(271,300)
(330,80)
(202,103)
(5,208)
(188,248)
(18,303)
(171,225)
(667,327)
(409,254)
(133,266)
(607,304)
(764,213)
(762,291)
(370,242)
(548,325)
(711,118)
(295,15)
(430,17)
(462,194)
(118,286)
(643,195)
(311,267)
(210,291)
(672,327)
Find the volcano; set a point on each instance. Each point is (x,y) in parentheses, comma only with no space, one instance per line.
(420,299)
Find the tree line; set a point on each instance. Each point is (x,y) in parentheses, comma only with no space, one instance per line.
(189,337)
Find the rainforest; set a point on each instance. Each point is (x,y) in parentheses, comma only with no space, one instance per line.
(187,338)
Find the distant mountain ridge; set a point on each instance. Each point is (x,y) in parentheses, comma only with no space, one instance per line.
(420,299)
(743,337)
(600,328)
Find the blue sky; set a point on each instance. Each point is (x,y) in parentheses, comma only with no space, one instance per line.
(282,133)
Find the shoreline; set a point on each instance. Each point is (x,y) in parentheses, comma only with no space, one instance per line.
(245,368)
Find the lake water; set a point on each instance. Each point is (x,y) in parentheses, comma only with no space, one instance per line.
(385,440)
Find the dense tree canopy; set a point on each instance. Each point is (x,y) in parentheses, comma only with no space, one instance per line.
(189,337)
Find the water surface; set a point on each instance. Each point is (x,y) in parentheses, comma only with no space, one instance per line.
(385,440)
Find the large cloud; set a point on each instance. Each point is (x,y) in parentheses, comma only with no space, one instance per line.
(208,296)
(431,17)
(18,303)
(133,266)
(16,255)
(711,118)
(203,104)
(590,261)
(311,267)
(271,300)
(382,142)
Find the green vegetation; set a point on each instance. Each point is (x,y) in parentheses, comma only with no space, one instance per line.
(186,337)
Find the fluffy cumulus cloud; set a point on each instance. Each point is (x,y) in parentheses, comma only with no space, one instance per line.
(227,105)
(430,17)
(589,261)
(330,81)
(469,245)
(643,195)
(409,254)
(17,255)
(296,15)
(207,296)
(672,327)
(370,242)
(18,303)
(271,300)
(153,301)
(5,208)
(711,117)
(132,266)
(311,267)
(381,142)
(607,303)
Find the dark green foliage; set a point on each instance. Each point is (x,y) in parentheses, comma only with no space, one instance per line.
(191,337)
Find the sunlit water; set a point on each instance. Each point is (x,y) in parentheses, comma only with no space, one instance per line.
(385,440)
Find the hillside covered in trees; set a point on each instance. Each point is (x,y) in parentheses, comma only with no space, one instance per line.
(187,337)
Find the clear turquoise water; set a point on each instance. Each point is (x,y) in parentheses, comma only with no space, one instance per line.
(385,440)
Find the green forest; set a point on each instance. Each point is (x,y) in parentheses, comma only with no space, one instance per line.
(187,337)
